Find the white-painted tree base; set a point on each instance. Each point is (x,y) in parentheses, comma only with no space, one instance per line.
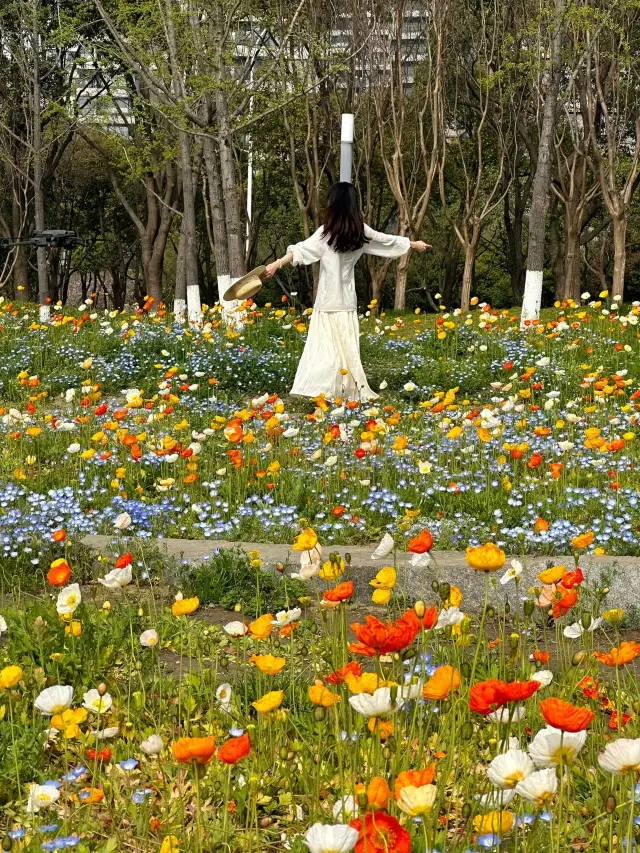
(45,313)
(231,312)
(532,297)
(194,306)
(179,309)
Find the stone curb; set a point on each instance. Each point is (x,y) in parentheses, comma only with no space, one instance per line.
(414,583)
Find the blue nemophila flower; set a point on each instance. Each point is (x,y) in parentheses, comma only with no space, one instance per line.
(129,764)
(16,834)
(138,797)
(235,731)
(525,819)
(50,827)
(61,843)
(488,841)
(75,774)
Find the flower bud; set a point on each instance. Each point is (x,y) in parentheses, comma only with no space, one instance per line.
(347,558)
(393,693)
(319,713)
(435,586)
(528,607)
(102,688)
(237,607)
(445,591)
(610,804)
(578,657)
(585,619)
(514,640)
(419,609)
(280,567)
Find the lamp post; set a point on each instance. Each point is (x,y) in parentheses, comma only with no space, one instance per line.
(346,147)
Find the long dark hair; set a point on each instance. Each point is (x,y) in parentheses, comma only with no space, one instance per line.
(343,222)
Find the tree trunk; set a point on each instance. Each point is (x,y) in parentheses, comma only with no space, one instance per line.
(619,257)
(218,221)
(38,189)
(235,233)
(572,256)
(180,298)
(470,249)
(21,266)
(402,269)
(516,265)
(542,181)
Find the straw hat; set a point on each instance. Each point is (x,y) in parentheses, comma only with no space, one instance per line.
(246,286)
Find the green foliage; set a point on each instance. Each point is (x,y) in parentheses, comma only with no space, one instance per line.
(228,578)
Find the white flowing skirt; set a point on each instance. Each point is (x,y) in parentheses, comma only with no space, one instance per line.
(330,362)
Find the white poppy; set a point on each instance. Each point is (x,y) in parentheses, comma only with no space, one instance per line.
(291,432)
(74,448)
(223,695)
(327,838)
(3,624)
(122,521)
(117,578)
(551,747)
(514,571)
(68,599)
(508,715)
(543,676)
(375,704)
(331,461)
(409,386)
(415,801)
(385,547)
(149,638)
(42,796)
(621,756)
(576,629)
(498,798)
(424,467)
(94,701)
(235,629)
(451,616)
(153,745)
(539,787)
(106,734)
(286,617)
(345,808)
(54,700)
(506,770)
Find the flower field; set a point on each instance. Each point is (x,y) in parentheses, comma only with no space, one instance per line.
(445,724)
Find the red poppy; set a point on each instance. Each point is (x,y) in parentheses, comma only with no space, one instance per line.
(235,749)
(614,724)
(572,579)
(565,600)
(101,410)
(342,592)
(102,755)
(59,573)
(381,833)
(339,675)
(421,543)
(541,656)
(488,696)
(565,716)
(381,638)
(124,561)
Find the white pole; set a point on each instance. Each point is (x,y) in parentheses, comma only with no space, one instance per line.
(346,147)
(249,170)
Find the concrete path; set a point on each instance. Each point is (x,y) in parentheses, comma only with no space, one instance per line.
(450,566)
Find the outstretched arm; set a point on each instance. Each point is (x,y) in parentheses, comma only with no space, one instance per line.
(307,252)
(389,245)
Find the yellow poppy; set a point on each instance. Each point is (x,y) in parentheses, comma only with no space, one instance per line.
(185,606)
(486,558)
(269,702)
(268,664)
(322,696)
(306,540)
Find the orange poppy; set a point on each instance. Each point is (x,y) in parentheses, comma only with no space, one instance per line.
(381,833)
(59,535)
(442,682)
(378,792)
(564,600)
(541,657)
(623,654)
(339,676)
(235,749)
(565,716)
(488,696)
(421,543)
(583,541)
(59,573)
(194,749)
(381,638)
(414,779)
(342,592)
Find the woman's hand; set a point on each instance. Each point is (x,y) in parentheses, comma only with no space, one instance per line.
(420,246)
(271,270)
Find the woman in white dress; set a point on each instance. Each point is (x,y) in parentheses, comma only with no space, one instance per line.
(330,363)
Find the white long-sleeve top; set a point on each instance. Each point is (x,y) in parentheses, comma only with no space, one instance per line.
(337,286)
